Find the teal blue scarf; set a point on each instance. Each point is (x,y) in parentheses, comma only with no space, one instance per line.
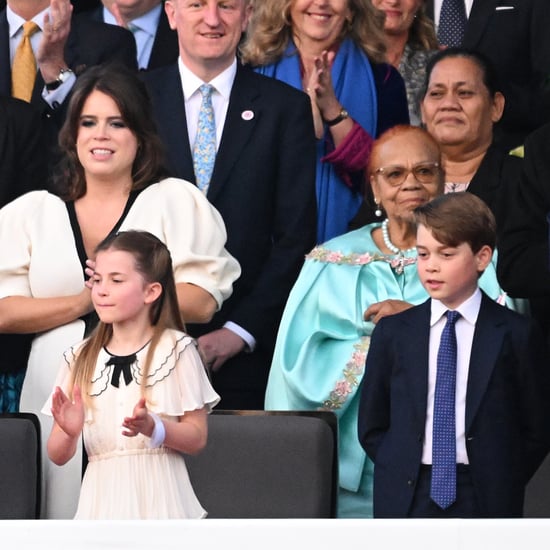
(355,88)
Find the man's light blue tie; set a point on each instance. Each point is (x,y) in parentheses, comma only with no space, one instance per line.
(204,150)
(452,23)
(443,486)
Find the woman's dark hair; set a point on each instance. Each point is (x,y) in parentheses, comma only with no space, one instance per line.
(488,72)
(129,93)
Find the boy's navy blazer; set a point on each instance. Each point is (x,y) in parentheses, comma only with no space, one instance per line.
(507,421)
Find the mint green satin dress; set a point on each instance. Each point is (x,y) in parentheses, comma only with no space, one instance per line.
(323,341)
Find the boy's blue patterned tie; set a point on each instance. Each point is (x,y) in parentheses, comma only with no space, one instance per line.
(452,23)
(204,150)
(443,486)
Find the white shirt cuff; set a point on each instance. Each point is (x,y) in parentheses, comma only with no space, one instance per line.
(245,335)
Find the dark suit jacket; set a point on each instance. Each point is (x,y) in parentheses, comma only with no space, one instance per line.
(165,47)
(507,428)
(83,5)
(263,185)
(496,176)
(523,257)
(517,42)
(22,153)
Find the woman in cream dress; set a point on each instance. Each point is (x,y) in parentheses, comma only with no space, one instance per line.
(110,179)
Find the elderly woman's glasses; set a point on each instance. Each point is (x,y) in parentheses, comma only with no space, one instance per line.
(395,175)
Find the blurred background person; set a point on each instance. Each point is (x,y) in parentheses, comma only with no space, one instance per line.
(156,42)
(524,258)
(334,50)
(346,286)
(410,42)
(513,35)
(462,103)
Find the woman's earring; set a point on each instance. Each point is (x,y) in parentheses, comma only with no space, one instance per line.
(378,211)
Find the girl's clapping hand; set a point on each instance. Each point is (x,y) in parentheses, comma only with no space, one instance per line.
(140,422)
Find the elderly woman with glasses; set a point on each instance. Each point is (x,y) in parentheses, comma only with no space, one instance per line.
(344,288)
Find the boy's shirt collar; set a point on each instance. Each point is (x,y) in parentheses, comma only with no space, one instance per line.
(469,309)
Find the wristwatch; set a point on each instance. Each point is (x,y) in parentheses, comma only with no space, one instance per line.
(341,116)
(61,77)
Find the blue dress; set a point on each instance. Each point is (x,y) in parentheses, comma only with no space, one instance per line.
(323,341)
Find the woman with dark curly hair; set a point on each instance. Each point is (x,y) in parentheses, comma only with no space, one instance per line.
(333,50)
(110,178)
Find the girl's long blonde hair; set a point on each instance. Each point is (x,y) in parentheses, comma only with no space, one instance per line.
(154,263)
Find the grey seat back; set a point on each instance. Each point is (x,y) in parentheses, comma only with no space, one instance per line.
(268,464)
(20,466)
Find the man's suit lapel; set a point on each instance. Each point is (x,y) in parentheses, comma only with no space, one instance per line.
(171,111)
(165,46)
(486,346)
(415,352)
(242,116)
(5,70)
(478,20)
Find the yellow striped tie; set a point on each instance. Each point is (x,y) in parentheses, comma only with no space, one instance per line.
(23,72)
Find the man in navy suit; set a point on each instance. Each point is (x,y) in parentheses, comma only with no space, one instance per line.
(263,184)
(157,43)
(64,46)
(499,401)
(514,35)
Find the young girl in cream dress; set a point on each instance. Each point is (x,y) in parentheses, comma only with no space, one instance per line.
(136,389)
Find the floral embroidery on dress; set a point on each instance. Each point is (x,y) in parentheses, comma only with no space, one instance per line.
(397,262)
(353,372)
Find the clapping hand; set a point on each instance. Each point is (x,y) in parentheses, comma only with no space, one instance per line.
(50,55)
(321,90)
(69,415)
(139,422)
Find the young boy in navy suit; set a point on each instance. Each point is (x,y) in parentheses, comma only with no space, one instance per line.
(454,405)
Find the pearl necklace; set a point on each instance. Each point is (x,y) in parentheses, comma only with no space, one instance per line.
(388,243)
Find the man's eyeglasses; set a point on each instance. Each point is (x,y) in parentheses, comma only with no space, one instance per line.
(395,175)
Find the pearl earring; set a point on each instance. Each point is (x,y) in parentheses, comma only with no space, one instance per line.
(378,211)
